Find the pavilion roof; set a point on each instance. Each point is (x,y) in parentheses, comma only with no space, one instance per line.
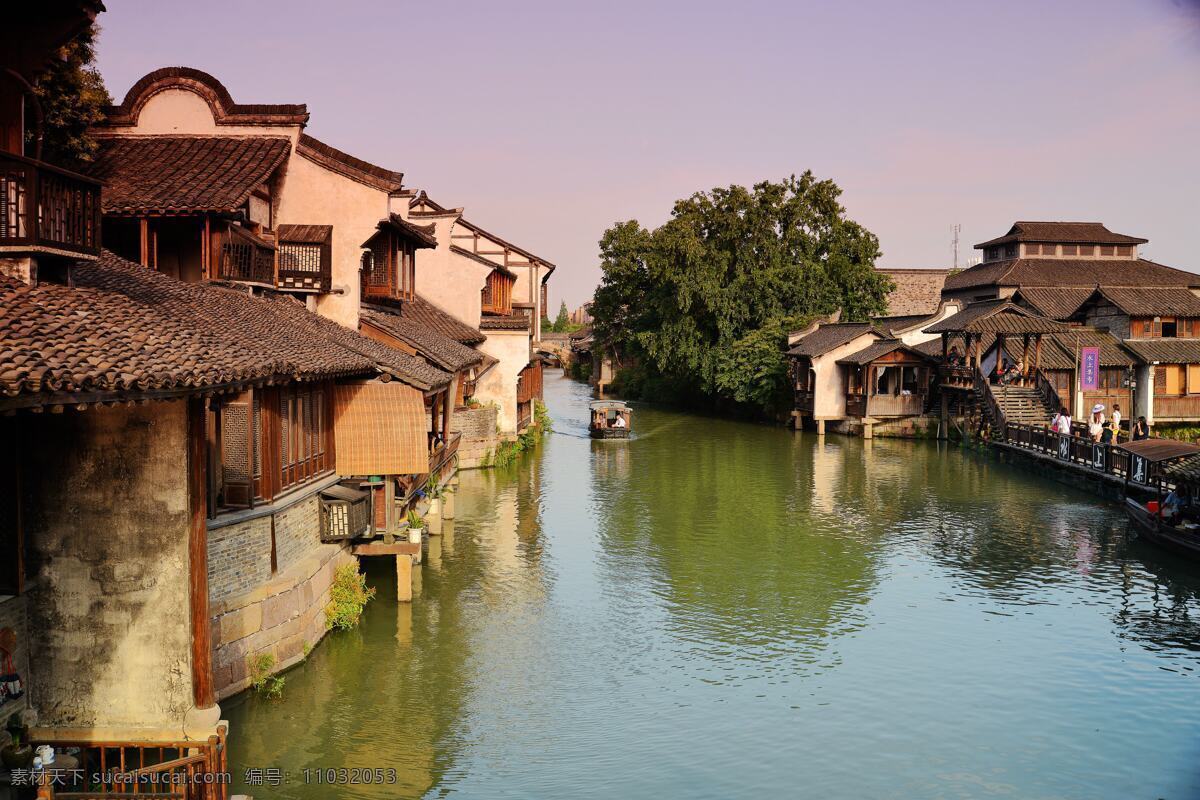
(830,336)
(999,317)
(1070,232)
(879,349)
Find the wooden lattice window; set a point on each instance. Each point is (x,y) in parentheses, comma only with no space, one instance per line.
(306,431)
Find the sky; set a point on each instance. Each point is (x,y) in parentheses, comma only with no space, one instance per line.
(550,121)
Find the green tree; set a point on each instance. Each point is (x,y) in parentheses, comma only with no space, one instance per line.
(706,300)
(72,97)
(563,321)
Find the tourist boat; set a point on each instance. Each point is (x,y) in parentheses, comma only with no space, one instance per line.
(610,420)
(1158,463)
(1183,539)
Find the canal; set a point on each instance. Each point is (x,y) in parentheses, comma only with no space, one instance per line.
(716,609)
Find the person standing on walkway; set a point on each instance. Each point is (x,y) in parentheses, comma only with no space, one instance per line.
(1096,425)
(1116,420)
(1141,430)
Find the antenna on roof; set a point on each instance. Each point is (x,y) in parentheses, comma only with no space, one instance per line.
(957,229)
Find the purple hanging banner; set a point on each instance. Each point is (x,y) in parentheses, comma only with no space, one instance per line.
(1089,368)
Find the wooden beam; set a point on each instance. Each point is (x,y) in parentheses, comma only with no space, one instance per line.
(197,482)
(144,242)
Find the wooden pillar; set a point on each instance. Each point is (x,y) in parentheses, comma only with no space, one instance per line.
(446,406)
(144,234)
(197,481)
(1037,354)
(404,578)
(945,347)
(1025,354)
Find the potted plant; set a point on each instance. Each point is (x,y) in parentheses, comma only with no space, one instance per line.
(434,490)
(416,527)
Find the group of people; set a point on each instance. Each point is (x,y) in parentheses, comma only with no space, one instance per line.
(1104,431)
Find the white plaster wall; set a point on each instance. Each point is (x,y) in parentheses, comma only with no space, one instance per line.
(182,112)
(314,195)
(499,385)
(829,390)
(914,338)
(448,280)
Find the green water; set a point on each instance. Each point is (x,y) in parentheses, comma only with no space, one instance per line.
(716,609)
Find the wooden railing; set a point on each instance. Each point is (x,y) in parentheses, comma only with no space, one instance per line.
(1183,407)
(246,258)
(856,405)
(900,405)
(42,206)
(1105,459)
(444,453)
(958,376)
(1046,390)
(107,770)
(984,389)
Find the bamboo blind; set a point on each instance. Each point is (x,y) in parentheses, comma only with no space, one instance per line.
(379,429)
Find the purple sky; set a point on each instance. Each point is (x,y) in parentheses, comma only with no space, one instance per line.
(549,123)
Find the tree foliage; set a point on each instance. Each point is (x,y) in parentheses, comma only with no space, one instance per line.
(72,97)
(706,300)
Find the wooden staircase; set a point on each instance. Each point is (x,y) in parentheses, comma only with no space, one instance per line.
(1025,405)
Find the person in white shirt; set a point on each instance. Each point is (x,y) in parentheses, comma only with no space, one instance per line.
(1096,424)
(1062,422)
(1116,420)
(619,422)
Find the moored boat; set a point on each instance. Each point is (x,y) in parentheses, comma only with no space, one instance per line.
(1166,464)
(1183,538)
(611,419)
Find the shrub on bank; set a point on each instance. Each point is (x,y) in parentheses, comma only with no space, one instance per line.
(348,596)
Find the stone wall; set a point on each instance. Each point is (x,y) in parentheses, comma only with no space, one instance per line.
(107,530)
(254,611)
(279,617)
(479,437)
(925,427)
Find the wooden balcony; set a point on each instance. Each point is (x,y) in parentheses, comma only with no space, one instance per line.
(45,209)
(804,401)
(305,267)
(245,258)
(890,405)
(956,377)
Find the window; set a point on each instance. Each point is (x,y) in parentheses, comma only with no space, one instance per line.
(1107,250)
(1124,249)
(1088,250)
(1070,249)
(270,440)
(1169,328)
(1193,378)
(1010,251)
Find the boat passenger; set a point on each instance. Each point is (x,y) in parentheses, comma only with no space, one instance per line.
(1140,430)
(619,422)
(1174,506)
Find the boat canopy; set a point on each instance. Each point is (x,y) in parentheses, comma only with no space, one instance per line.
(600,405)
(1155,451)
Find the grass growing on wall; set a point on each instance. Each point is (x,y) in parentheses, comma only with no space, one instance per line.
(348,596)
(506,454)
(268,685)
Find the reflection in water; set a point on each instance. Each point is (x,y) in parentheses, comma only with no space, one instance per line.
(717,609)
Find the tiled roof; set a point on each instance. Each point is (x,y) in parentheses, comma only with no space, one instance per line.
(1151,301)
(433,317)
(225,110)
(996,316)
(481,260)
(123,329)
(1056,302)
(895,324)
(918,291)
(1166,351)
(931,348)
(181,174)
(1083,272)
(511,322)
(345,164)
(305,234)
(879,349)
(443,351)
(422,235)
(832,336)
(1069,232)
